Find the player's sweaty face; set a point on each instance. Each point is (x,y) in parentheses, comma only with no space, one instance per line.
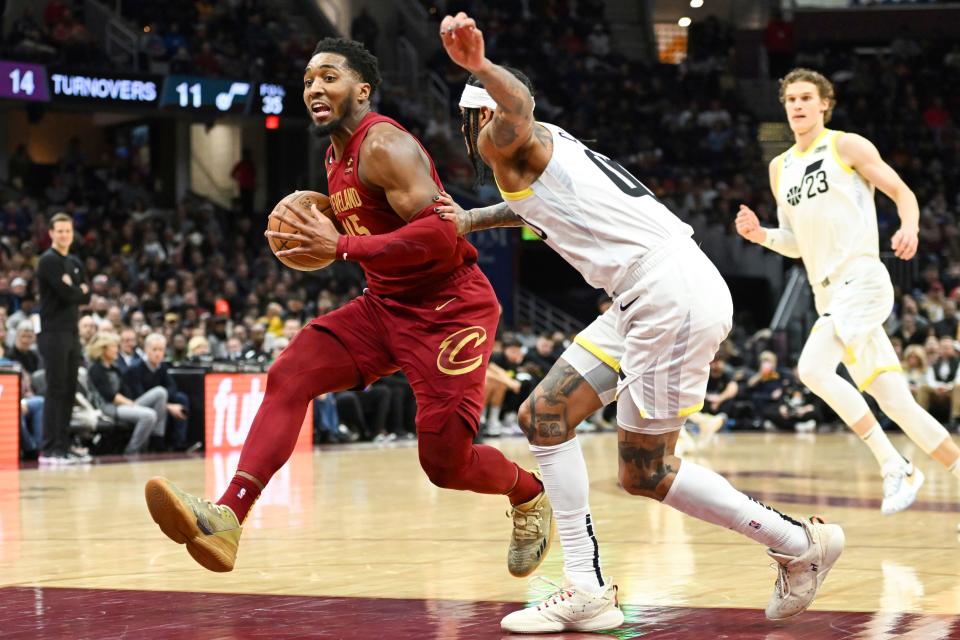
(327,89)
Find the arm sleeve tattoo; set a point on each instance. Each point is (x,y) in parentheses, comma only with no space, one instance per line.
(498,215)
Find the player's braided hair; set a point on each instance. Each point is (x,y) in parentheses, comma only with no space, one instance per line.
(470,118)
(358,58)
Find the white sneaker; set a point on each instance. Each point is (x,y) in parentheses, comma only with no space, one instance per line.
(901,483)
(570,608)
(799,577)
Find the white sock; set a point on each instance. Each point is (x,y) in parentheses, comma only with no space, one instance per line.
(494,415)
(564,475)
(706,495)
(880,445)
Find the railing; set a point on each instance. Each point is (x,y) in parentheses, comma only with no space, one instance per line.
(439,95)
(331,10)
(408,64)
(902,273)
(543,316)
(121,42)
(415,16)
(789,299)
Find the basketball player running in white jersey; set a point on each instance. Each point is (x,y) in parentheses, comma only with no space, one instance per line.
(824,187)
(671,310)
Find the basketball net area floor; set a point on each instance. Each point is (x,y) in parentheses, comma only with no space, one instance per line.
(354,542)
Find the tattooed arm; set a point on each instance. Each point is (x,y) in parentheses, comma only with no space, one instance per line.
(512,125)
(498,215)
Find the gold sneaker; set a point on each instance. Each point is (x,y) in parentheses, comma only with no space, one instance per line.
(210,531)
(533,531)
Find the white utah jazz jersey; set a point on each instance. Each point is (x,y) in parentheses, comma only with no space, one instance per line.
(593,212)
(828,206)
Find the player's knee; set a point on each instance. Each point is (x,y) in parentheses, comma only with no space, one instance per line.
(647,466)
(809,373)
(441,468)
(441,473)
(641,482)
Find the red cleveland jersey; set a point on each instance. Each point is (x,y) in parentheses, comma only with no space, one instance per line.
(363,211)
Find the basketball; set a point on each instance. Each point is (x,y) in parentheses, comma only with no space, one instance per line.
(301,201)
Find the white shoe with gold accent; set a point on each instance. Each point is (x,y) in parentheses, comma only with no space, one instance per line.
(569,608)
(799,577)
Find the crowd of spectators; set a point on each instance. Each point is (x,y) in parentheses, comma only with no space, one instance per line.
(251,39)
(201,277)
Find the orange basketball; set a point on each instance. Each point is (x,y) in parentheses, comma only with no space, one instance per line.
(301,201)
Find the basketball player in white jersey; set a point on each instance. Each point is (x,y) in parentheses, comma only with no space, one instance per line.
(671,310)
(824,187)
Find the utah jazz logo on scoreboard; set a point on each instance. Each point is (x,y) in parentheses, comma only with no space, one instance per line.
(217,94)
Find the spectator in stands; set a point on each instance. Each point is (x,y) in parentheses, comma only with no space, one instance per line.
(147,413)
(257,349)
(86,329)
(949,324)
(129,352)
(721,390)
(543,356)
(244,173)
(944,398)
(198,350)
(909,332)
(234,349)
(24,314)
(24,348)
(31,417)
(766,385)
(797,408)
(273,319)
(915,369)
(152,373)
(507,385)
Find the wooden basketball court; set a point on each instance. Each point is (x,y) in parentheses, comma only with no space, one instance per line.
(354,542)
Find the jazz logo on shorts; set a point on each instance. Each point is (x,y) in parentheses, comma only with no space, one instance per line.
(450,360)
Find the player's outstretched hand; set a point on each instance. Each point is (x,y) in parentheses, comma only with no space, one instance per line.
(447,209)
(314,231)
(748,225)
(463,41)
(904,242)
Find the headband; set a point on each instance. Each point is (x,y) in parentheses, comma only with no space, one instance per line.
(476,97)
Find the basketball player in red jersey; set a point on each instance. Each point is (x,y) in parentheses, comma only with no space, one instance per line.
(428,311)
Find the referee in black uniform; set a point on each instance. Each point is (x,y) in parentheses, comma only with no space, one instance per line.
(62,290)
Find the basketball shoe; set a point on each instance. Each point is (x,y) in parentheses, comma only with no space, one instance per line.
(533,531)
(569,608)
(210,531)
(901,483)
(799,577)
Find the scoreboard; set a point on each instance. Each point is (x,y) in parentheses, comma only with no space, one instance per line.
(23,81)
(36,83)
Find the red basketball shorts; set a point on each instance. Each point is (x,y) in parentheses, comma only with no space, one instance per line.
(442,343)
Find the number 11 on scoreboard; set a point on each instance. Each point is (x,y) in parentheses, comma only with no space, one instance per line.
(186,91)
